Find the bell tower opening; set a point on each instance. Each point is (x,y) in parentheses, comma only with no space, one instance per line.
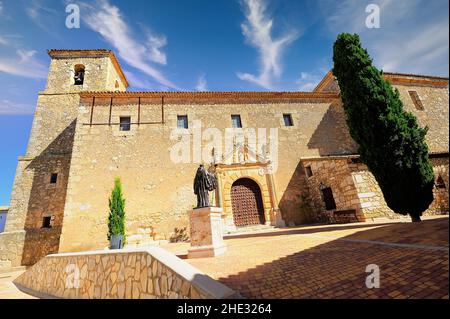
(79,74)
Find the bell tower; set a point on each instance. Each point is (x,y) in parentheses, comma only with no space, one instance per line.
(74,71)
(35,218)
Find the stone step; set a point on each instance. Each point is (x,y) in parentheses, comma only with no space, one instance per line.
(249,229)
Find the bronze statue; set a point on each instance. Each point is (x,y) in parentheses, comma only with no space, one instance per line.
(204,182)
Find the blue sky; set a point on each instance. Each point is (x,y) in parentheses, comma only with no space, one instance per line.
(220,45)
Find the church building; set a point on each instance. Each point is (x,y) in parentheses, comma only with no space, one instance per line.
(88,130)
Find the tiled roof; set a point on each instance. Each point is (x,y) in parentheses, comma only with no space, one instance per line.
(396,78)
(219,97)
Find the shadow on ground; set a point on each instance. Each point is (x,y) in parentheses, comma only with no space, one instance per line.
(337,269)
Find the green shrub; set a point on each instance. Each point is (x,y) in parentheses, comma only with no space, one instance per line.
(116,219)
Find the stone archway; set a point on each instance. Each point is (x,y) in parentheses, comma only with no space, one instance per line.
(247,203)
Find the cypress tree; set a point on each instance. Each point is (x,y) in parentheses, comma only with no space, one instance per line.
(116,219)
(391,143)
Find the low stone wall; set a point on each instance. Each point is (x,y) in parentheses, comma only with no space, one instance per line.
(116,274)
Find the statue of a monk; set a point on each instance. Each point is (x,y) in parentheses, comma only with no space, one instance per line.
(204,182)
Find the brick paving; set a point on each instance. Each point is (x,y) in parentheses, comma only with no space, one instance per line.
(330,261)
(327,261)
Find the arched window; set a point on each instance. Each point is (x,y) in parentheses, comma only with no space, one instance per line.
(440,182)
(79,74)
(116,85)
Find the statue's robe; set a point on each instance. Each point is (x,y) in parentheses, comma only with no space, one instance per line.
(203,182)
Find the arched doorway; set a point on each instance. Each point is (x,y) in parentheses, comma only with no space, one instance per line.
(246,202)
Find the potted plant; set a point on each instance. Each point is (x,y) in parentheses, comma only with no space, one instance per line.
(116,219)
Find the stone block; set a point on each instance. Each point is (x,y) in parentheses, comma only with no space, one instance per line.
(206,228)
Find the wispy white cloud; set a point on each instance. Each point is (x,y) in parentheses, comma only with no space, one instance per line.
(3,41)
(155,43)
(8,107)
(408,39)
(4,15)
(257,30)
(107,20)
(308,81)
(350,15)
(138,82)
(425,51)
(43,16)
(24,64)
(202,85)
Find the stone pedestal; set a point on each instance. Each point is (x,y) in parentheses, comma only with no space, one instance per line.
(206,232)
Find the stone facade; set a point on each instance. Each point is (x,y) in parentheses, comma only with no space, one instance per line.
(355,188)
(134,274)
(3,216)
(49,151)
(76,135)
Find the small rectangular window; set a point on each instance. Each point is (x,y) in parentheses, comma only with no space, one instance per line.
(182,121)
(53,178)
(236,121)
(288,120)
(416,100)
(46,222)
(125,123)
(308,170)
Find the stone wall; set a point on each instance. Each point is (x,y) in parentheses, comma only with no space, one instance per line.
(440,204)
(336,174)
(372,200)
(296,201)
(100,75)
(122,274)
(435,114)
(26,247)
(370,197)
(159,191)
(355,187)
(49,151)
(11,247)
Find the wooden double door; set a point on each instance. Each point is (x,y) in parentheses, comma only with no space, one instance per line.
(247,203)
